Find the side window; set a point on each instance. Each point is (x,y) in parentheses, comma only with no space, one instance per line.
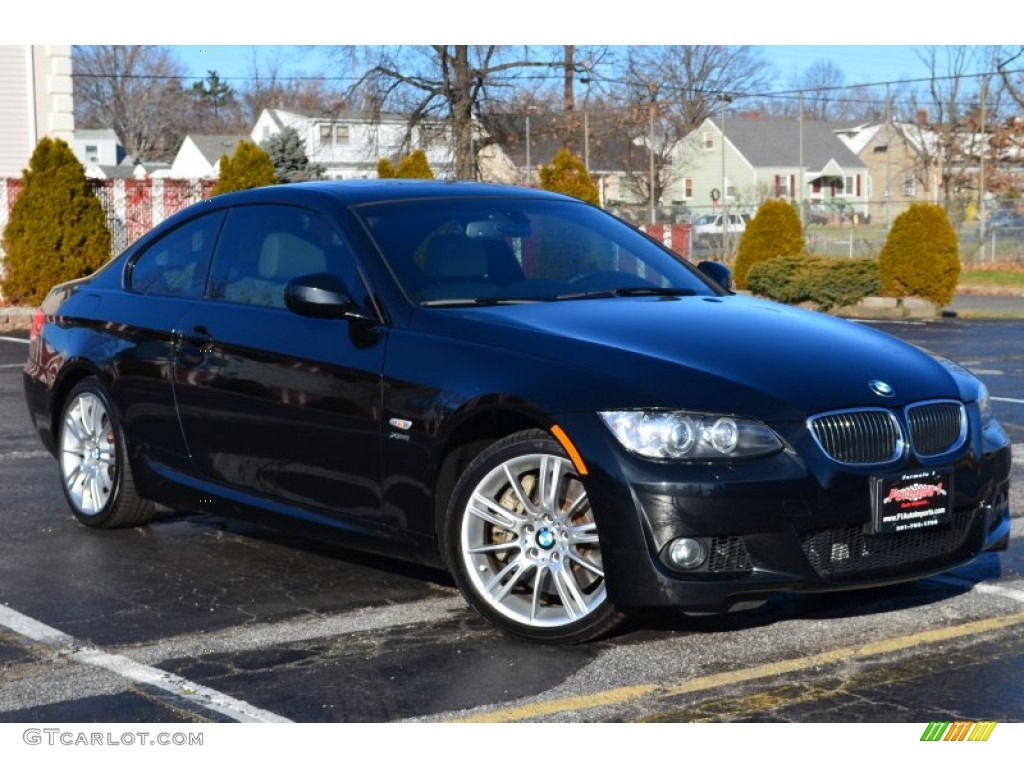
(177,263)
(265,246)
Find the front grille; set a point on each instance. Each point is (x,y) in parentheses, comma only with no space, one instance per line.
(729,555)
(867,436)
(848,553)
(937,427)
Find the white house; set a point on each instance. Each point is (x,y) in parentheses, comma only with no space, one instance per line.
(349,144)
(97,147)
(199,156)
(35,101)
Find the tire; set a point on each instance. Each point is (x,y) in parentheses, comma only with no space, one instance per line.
(94,470)
(524,551)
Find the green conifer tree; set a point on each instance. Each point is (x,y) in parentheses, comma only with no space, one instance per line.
(57,230)
(567,174)
(287,151)
(248,167)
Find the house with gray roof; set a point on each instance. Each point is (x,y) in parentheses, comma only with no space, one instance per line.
(199,155)
(760,158)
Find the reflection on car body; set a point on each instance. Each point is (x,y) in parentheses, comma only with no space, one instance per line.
(518,387)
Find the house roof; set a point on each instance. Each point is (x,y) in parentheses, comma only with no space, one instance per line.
(277,115)
(96,134)
(212,146)
(776,143)
(611,148)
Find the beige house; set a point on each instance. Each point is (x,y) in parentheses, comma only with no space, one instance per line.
(35,101)
(896,155)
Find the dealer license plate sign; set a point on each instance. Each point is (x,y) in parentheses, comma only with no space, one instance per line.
(912,501)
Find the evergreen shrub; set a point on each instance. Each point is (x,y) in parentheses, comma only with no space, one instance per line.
(568,174)
(773,232)
(828,282)
(57,229)
(921,255)
(247,168)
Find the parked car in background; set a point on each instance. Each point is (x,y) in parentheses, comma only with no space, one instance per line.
(518,387)
(712,228)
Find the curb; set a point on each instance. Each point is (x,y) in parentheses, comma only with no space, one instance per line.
(16,318)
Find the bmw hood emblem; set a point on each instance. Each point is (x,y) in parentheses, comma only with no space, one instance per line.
(881,389)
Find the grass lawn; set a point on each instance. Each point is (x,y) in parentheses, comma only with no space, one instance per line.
(993,280)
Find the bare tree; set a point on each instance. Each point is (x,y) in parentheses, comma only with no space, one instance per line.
(939,117)
(677,87)
(452,81)
(134,89)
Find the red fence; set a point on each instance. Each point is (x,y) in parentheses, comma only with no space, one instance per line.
(133,206)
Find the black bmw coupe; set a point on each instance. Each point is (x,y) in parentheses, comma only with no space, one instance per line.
(516,386)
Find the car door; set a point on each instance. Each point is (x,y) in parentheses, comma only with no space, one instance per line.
(275,405)
(162,281)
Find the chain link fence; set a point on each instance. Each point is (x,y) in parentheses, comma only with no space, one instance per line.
(133,206)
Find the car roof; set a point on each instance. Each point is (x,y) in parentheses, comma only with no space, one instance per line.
(359,191)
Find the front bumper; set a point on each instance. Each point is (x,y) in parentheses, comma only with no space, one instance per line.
(794,521)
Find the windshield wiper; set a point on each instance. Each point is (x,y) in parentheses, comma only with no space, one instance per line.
(482,301)
(653,290)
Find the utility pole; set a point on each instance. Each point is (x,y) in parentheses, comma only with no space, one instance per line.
(650,149)
(981,172)
(569,73)
(888,158)
(800,169)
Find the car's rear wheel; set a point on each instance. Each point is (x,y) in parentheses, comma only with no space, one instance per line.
(95,474)
(523,546)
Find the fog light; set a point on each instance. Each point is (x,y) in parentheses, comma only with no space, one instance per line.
(687,553)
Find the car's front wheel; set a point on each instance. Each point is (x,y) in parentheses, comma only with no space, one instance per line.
(523,545)
(95,474)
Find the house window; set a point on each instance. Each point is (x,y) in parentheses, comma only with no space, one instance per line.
(909,185)
(783,187)
(333,134)
(92,153)
(730,188)
(850,187)
(708,139)
(431,135)
(687,189)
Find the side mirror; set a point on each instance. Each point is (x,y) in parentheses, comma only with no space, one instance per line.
(719,274)
(319,295)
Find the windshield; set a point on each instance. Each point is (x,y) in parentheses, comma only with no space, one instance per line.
(496,250)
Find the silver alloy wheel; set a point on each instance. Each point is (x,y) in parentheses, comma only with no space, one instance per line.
(529,543)
(88,456)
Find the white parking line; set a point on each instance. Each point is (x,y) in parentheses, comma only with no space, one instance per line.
(12,338)
(12,365)
(1008,400)
(68,648)
(23,455)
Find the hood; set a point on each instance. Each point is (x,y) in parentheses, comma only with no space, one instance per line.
(729,354)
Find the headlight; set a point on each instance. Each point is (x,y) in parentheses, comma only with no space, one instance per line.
(690,436)
(985,405)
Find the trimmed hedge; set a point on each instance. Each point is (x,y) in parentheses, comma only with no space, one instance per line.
(773,232)
(828,282)
(247,168)
(567,174)
(921,255)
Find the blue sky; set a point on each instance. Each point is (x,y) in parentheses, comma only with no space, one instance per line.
(859,63)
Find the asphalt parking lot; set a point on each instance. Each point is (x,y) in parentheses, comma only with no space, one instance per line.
(204,619)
